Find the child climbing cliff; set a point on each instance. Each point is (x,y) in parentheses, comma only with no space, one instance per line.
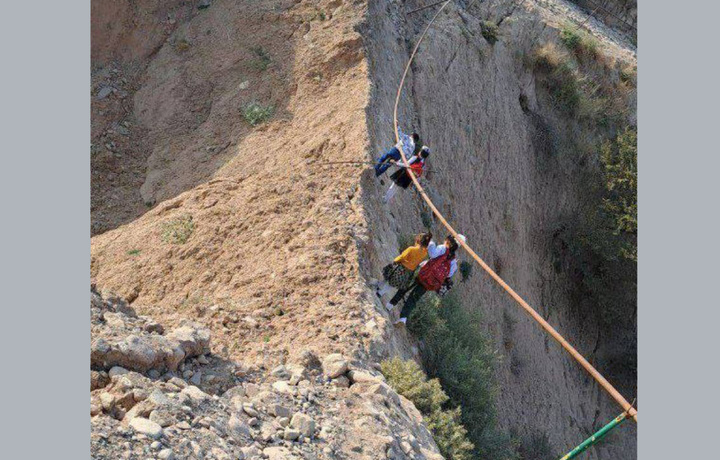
(409,144)
(433,275)
(401,178)
(399,273)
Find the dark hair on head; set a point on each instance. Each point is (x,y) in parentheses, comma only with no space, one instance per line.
(424,153)
(423,239)
(453,246)
(416,137)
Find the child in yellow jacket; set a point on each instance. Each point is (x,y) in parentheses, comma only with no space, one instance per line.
(398,273)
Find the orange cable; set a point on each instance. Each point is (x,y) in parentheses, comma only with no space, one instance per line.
(545,325)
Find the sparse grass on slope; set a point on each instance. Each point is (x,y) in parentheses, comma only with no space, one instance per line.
(561,77)
(572,92)
(262,59)
(178,230)
(256,114)
(581,43)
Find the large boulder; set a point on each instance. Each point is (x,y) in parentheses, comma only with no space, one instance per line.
(334,365)
(193,339)
(121,338)
(304,424)
(146,427)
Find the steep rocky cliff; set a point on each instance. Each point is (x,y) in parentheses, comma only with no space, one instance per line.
(510,173)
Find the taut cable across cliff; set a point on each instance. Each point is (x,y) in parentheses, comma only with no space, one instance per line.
(626,406)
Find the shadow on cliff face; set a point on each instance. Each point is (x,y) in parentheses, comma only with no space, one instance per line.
(175,90)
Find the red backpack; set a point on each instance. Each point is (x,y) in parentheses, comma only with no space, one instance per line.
(417,168)
(432,275)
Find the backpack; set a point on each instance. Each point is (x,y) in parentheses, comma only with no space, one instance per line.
(432,275)
(417,168)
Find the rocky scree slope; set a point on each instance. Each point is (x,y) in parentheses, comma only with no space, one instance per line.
(165,395)
(512,168)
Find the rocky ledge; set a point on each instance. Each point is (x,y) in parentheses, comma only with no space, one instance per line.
(166,395)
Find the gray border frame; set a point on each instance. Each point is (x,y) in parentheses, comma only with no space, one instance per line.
(678,236)
(45,201)
(45,193)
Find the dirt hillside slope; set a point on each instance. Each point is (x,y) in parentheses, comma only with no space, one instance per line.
(275,234)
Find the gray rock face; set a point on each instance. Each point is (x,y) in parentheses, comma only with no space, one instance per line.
(121,340)
(261,418)
(194,339)
(98,379)
(357,376)
(291,434)
(238,429)
(487,109)
(166,454)
(278,453)
(279,410)
(195,393)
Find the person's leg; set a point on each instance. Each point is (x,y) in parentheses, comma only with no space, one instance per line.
(412,300)
(384,162)
(400,294)
(390,193)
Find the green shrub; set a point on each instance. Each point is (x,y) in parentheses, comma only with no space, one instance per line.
(256,114)
(466,270)
(133,252)
(456,351)
(579,42)
(603,242)
(426,217)
(489,31)
(262,59)
(409,380)
(619,160)
(610,232)
(178,230)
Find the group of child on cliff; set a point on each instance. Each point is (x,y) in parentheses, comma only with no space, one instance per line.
(425,266)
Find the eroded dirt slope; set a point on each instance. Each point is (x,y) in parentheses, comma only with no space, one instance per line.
(275,233)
